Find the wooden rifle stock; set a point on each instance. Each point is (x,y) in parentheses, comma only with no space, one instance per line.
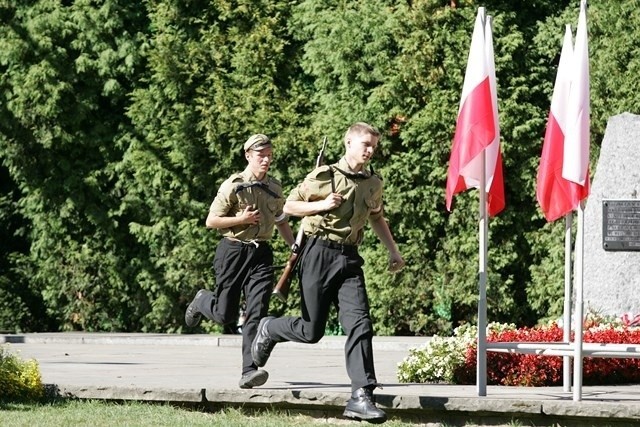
(281,290)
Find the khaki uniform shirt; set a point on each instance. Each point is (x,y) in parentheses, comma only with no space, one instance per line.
(243,189)
(362,195)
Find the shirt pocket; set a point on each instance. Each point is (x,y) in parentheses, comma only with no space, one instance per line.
(245,199)
(362,209)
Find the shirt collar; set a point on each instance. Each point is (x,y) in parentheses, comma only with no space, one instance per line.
(248,176)
(344,165)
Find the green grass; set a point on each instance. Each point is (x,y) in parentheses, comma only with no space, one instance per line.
(98,413)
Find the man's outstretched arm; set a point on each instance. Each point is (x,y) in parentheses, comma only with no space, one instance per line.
(381,228)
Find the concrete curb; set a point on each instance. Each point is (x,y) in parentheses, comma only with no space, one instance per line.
(422,408)
(330,342)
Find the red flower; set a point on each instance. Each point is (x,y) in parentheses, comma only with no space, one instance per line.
(537,370)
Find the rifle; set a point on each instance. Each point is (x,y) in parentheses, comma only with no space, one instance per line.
(281,290)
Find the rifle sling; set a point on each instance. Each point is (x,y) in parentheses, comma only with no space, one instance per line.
(354,176)
(259,184)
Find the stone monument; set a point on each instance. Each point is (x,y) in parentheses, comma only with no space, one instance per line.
(612,241)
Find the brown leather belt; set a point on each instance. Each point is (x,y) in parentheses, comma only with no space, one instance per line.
(344,248)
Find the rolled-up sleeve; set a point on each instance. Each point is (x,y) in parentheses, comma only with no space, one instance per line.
(280,215)
(297,195)
(224,200)
(316,185)
(377,209)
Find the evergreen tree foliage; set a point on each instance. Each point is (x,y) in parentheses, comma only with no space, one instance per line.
(218,72)
(119,121)
(67,71)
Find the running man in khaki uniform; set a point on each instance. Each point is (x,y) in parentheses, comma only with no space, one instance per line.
(336,202)
(245,210)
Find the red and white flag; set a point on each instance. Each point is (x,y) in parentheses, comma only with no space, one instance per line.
(477,127)
(557,195)
(576,146)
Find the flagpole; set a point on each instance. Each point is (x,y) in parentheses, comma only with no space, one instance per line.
(576,150)
(566,324)
(577,358)
(481,372)
(478,131)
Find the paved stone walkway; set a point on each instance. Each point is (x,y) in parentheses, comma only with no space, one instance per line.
(204,370)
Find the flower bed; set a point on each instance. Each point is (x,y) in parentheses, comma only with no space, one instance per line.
(453,359)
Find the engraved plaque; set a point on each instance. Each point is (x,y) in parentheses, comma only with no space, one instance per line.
(621,225)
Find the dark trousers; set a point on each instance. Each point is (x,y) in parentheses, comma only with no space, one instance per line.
(240,268)
(332,274)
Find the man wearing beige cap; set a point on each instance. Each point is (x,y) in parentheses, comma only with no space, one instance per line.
(244,211)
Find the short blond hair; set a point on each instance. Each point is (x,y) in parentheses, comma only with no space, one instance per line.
(360,128)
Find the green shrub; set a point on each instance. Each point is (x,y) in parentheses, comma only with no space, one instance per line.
(20,380)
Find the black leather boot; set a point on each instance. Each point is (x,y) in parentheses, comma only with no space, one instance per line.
(262,344)
(254,379)
(361,407)
(192,316)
